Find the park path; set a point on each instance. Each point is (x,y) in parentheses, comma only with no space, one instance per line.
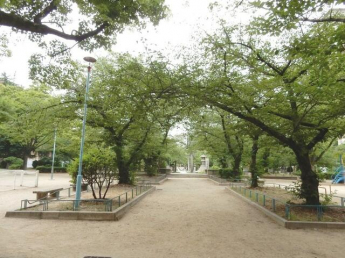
(182,218)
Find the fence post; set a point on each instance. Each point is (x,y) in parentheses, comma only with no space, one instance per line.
(342,201)
(126,197)
(250,194)
(287,211)
(132,193)
(257,197)
(119,201)
(264,200)
(319,212)
(274,204)
(136,191)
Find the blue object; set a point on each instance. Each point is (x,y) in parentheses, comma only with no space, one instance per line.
(339,176)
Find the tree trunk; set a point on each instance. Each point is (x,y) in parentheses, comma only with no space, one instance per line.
(25,161)
(124,177)
(310,181)
(236,165)
(253,167)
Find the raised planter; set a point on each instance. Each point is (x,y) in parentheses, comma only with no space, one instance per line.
(281,177)
(289,224)
(83,187)
(80,215)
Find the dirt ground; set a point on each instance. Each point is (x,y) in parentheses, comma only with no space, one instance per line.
(182,218)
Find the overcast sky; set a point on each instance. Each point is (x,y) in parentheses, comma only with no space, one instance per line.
(187,17)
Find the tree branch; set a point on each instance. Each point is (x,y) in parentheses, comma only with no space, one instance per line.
(12,20)
(51,7)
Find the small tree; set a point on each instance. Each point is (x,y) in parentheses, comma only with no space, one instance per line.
(98,169)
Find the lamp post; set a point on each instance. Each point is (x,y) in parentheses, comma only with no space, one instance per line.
(79,177)
(53,161)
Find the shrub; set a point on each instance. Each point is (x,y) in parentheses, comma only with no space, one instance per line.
(98,168)
(225,173)
(47,169)
(13,162)
(46,161)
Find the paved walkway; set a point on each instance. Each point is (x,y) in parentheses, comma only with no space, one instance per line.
(183,218)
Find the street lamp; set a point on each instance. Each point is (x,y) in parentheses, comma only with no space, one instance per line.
(79,177)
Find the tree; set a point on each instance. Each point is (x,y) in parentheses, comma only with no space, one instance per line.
(99,20)
(126,104)
(31,125)
(293,91)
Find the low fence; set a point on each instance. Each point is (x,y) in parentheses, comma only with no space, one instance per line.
(295,212)
(60,204)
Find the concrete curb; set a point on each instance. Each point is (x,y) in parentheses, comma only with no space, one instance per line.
(289,224)
(217,183)
(191,175)
(80,215)
(160,182)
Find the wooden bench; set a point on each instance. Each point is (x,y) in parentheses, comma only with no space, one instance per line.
(53,193)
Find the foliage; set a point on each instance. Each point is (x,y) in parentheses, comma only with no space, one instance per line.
(32,119)
(13,162)
(98,21)
(99,169)
(46,161)
(226,173)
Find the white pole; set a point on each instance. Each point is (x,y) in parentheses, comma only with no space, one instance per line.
(52,171)
(14,183)
(36,181)
(21,177)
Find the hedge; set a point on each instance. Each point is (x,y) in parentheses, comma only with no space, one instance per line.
(47,169)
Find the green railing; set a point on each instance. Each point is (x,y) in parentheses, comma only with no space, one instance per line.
(295,212)
(108,204)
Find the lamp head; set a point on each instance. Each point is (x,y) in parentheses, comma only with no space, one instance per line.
(90,59)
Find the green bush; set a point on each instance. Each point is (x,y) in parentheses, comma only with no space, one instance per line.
(325,176)
(99,168)
(13,162)
(225,173)
(46,161)
(47,169)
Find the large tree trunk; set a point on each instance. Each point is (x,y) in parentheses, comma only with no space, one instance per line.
(124,177)
(236,165)
(310,181)
(253,167)
(25,161)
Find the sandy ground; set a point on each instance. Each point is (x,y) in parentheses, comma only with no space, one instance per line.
(182,218)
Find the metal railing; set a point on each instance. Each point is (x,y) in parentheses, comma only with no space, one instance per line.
(297,212)
(107,204)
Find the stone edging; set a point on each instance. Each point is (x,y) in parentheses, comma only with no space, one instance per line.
(289,224)
(160,182)
(79,215)
(217,183)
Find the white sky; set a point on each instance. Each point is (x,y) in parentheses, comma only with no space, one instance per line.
(187,17)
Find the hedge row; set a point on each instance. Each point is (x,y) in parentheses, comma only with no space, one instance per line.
(47,169)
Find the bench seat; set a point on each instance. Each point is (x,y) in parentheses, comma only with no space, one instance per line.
(53,193)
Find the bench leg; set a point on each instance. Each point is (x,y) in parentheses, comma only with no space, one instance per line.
(41,195)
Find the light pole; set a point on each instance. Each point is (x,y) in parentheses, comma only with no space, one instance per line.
(79,177)
(52,171)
